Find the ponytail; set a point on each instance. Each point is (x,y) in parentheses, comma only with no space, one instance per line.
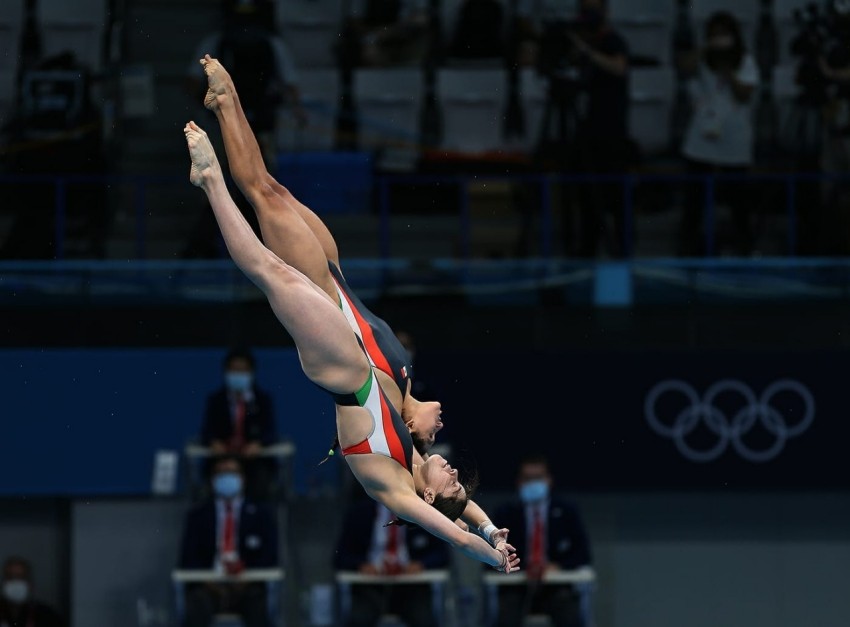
(332,451)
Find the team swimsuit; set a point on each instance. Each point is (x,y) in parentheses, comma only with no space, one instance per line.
(389,435)
(385,352)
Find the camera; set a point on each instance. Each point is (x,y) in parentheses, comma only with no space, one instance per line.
(822,33)
(558,57)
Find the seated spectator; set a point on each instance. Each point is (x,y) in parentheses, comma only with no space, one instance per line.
(369,545)
(231,534)
(239,419)
(381,33)
(720,137)
(549,534)
(479,30)
(18,607)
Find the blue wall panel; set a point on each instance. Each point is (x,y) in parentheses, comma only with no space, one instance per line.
(89,421)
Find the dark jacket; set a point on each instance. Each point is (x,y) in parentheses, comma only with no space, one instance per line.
(355,539)
(259,419)
(258,537)
(42,615)
(566,540)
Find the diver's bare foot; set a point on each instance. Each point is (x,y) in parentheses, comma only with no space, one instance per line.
(218,81)
(204,162)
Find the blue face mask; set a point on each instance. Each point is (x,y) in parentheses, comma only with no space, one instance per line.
(533,491)
(227,485)
(238,381)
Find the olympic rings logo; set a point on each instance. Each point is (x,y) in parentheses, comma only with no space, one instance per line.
(729,427)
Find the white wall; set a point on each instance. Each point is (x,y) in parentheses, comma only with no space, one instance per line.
(730,560)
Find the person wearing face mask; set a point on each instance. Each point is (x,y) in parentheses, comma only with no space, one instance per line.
(720,137)
(239,419)
(18,608)
(549,532)
(229,533)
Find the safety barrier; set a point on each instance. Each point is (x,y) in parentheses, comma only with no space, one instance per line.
(384,183)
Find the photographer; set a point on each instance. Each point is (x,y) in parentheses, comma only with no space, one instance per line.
(720,134)
(584,125)
(602,140)
(818,127)
(835,159)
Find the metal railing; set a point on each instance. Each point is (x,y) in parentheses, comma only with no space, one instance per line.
(384,183)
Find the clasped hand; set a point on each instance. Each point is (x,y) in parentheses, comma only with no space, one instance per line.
(510,563)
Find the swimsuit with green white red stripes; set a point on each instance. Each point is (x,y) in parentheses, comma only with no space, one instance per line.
(385,352)
(389,435)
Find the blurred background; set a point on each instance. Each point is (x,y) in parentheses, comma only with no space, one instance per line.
(615,235)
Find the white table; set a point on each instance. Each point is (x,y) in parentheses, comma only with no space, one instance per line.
(428,576)
(217,576)
(583,579)
(270,576)
(585,574)
(281,450)
(437,579)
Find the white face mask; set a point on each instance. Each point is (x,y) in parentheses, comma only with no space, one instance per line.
(16,591)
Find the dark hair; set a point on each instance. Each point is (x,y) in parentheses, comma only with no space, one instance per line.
(218,460)
(239,352)
(534,458)
(419,443)
(450,507)
(728,22)
(17,560)
(332,450)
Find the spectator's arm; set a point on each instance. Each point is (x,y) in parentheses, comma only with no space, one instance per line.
(616,63)
(743,92)
(744,81)
(839,75)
